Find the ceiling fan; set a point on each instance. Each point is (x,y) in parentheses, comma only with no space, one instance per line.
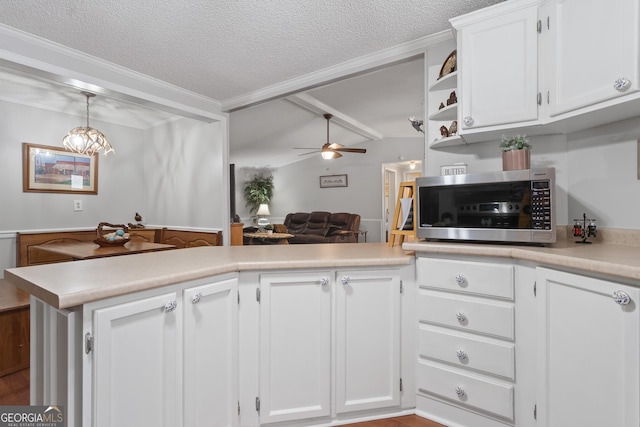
(331,150)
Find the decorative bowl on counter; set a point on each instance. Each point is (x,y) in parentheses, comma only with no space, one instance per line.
(117,236)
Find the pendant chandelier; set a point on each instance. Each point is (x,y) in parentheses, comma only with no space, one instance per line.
(87,140)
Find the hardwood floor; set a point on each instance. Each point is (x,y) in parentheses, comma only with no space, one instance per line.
(406,421)
(14,390)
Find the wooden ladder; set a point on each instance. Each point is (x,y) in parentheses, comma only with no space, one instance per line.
(406,190)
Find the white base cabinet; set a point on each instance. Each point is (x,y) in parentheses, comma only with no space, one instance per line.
(163,358)
(295,346)
(329,344)
(589,351)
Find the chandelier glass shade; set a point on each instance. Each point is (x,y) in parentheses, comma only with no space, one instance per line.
(87,140)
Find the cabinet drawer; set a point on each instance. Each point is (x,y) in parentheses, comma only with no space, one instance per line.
(478,278)
(486,394)
(482,354)
(494,318)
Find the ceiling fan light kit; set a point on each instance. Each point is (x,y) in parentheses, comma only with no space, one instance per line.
(332,150)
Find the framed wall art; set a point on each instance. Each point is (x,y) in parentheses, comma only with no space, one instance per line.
(332,181)
(54,170)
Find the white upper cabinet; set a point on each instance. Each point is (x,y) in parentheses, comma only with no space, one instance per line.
(547,67)
(498,67)
(592,52)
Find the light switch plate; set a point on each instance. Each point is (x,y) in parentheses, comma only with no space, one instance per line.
(77,205)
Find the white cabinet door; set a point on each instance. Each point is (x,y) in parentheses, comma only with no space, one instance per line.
(135,366)
(211,354)
(592,44)
(498,68)
(368,340)
(589,350)
(295,346)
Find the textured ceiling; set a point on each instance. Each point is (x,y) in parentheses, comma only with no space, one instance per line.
(226,49)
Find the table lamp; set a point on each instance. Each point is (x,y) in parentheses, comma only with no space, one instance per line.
(263,212)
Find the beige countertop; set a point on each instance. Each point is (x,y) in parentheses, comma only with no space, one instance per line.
(70,284)
(600,258)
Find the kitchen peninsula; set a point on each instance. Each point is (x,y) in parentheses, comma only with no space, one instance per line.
(465,334)
(223,336)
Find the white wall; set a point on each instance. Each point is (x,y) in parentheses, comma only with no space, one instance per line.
(297,186)
(603,175)
(186,175)
(173,175)
(120,176)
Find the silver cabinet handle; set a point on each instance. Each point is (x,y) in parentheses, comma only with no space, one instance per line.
(460,391)
(345,280)
(468,121)
(170,306)
(621,84)
(324,281)
(621,297)
(461,354)
(196,298)
(461,316)
(460,279)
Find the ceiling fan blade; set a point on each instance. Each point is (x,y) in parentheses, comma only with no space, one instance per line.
(310,152)
(304,148)
(352,150)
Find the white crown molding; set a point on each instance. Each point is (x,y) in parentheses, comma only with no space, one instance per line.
(310,103)
(364,64)
(24,51)
(493,11)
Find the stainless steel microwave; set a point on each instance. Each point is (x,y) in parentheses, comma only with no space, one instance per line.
(511,206)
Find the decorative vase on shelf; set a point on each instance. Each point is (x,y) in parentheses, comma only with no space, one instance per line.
(516,153)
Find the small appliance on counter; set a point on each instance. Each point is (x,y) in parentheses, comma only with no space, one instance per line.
(506,206)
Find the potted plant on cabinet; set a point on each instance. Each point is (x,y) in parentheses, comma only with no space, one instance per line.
(515,152)
(268,228)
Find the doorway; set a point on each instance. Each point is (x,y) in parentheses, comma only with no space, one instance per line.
(392,175)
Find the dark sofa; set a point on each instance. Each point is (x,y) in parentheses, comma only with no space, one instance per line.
(322,227)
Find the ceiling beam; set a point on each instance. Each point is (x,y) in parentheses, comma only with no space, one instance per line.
(312,104)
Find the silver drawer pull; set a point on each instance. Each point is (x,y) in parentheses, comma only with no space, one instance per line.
(461,316)
(461,354)
(468,121)
(621,297)
(170,306)
(345,280)
(196,298)
(324,281)
(460,279)
(460,391)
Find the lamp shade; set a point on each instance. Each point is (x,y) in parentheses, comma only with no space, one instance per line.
(263,209)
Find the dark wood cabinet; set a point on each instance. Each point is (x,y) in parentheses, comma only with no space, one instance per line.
(14,329)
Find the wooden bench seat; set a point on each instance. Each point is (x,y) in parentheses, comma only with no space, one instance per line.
(190,239)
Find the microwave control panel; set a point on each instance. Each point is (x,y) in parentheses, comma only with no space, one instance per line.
(540,205)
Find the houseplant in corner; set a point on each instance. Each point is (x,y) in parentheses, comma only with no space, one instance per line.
(257,191)
(515,152)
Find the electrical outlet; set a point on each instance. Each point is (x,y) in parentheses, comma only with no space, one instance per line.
(77,205)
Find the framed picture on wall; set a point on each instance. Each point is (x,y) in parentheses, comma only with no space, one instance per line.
(331,181)
(54,170)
